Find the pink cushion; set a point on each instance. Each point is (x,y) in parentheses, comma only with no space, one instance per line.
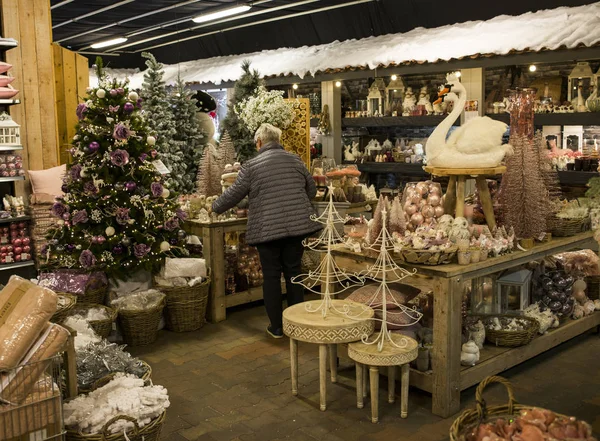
(48,181)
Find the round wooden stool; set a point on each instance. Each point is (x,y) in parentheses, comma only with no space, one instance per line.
(455,195)
(391,356)
(311,327)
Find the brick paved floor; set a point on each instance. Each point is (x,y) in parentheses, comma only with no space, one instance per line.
(229,382)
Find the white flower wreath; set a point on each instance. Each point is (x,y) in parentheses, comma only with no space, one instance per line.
(265,107)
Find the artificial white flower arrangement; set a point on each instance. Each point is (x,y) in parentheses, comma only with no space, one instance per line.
(265,107)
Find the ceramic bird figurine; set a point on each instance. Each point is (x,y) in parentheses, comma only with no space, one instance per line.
(469,354)
(459,230)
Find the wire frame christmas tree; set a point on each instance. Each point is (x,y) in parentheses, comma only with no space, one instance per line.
(328,273)
(385,271)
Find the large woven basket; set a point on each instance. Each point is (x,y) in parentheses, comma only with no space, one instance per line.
(426,257)
(140,328)
(150,432)
(510,339)
(63,312)
(483,413)
(593,287)
(92,295)
(186,306)
(102,327)
(569,227)
(107,378)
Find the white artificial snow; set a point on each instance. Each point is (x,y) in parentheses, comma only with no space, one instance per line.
(533,31)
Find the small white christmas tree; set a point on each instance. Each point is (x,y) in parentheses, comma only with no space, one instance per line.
(159,117)
(385,271)
(328,273)
(227,150)
(209,173)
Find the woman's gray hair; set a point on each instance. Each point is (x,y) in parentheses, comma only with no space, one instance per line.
(267,133)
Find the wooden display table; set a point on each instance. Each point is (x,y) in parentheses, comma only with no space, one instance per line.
(311,327)
(390,356)
(448,377)
(213,246)
(455,195)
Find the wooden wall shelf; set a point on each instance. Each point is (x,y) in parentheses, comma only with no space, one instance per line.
(556,119)
(395,121)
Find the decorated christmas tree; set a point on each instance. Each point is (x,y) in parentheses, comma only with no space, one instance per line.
(116,214)
(159,117)
(243,138)
(188,134)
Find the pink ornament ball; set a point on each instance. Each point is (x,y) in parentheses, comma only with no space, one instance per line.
(22,225)
(18,250)
(439,211)
(411,209)
(101,240)
(17,242)
(427,211)
(17,258)
(422,203)
(5,230)
(415,199)
(3,255)
(14,226)
(26,249)
(434,189)
(433,199)
(26,241)
(428,221)
(66,216)
(95,240)
(417,219)
(3,250)
(9,249)
(422,188)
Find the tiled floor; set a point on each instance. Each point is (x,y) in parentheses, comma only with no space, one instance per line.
(229,381)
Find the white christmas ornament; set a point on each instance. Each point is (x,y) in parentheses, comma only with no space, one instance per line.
(133,96)
(164,246)
(165,193)
(110,120)
(110,231)
(76,138)
(101,93)
(151,140)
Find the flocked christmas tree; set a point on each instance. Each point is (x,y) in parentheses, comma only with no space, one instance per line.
(209,173)
(159,117)
(243,138)
(116,214)
(188,134)
(227,150)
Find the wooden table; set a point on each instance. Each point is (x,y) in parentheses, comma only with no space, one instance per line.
(311,327)
(213,246)
(448,378)
(390,356)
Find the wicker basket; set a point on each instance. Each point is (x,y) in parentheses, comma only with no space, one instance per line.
(61,314)
(94,296)
(569,227)
(107,378)
(593,287)
(471,418)
(425,257)
(150,432)
(140,327)
(186,306)
(101,327)
(510,339)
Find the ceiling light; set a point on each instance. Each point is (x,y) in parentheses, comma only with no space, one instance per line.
(107,43)
(295,86)
(394,77)
(532,68)
(338,84)
(222,13)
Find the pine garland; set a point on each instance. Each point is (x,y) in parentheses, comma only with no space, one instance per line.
(159,118)
(243,138)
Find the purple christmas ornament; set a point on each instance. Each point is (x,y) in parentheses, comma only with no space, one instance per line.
(113,92)
(130,186)
(120,90)
(94,146)
(117,249)
(101,240)
(128,107)
(66,216)
(95,240)
(65,188)
(70,248)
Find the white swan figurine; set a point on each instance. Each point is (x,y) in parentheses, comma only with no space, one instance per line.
(476,144)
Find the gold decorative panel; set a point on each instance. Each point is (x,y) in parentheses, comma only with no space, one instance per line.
(296,138)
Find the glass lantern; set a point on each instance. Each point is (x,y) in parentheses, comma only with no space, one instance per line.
(394,94)
(513,290)
(484,298)
(10,131)
(375,99)
(580,75)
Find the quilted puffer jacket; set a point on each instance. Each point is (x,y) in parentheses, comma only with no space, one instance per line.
(279,190)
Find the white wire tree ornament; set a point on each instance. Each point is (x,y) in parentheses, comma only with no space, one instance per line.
(385,271)
(328,273)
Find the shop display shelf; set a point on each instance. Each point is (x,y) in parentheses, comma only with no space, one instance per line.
(12,179)
(392,167)
(10,148)
(393,121)
(4,102)
(556,119)
(10,266)
(6,45)
(15,219)
(578,178)
(496,359)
